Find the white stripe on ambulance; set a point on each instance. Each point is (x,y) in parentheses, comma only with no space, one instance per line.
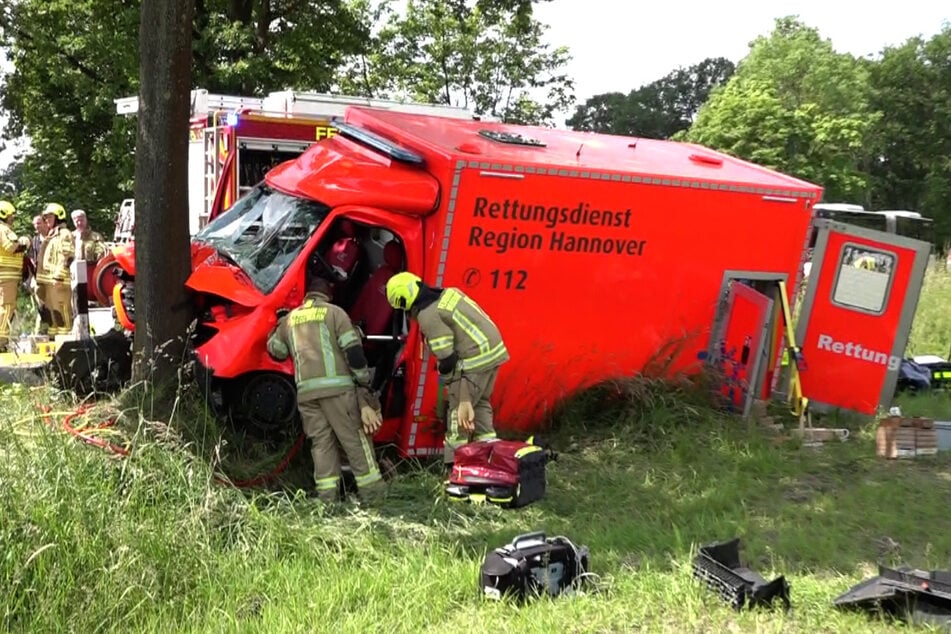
(856,351)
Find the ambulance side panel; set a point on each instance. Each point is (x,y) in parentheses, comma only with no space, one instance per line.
(597,275)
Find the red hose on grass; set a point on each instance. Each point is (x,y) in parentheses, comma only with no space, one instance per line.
(122,451)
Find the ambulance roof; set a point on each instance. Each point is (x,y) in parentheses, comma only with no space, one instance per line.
(568,149)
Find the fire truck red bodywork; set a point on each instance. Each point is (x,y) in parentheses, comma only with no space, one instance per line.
(598,257)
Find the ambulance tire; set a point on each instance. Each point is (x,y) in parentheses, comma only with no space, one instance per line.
(263,404)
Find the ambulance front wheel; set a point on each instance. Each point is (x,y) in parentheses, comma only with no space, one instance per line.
(263,403)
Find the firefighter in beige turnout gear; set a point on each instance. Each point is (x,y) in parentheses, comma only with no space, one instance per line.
(12,251)
(469,348)
(57,256)
(333,393)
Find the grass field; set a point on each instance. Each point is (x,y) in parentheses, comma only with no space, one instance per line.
(152,542)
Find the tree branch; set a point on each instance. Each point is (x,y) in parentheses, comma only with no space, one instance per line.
(24,35)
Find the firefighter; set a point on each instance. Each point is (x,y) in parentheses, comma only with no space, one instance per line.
(94,246)
(40,282)
(57,257)
(12,250)
(469,348)
(866,261)
(333,388)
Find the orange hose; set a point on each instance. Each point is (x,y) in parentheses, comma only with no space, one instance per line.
(122,451)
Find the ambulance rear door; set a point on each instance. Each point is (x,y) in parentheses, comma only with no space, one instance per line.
(856,315)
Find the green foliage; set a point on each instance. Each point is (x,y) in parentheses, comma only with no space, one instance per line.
(656,110)
(796,105)
(71,57)
(74,57)
(487,57)
(911,85)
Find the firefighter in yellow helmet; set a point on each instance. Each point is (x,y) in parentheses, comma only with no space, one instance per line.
(57,256)
(469,348)
(12,251)
(333,389)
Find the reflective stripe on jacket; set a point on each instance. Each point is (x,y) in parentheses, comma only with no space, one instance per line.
(456,323)
(316,335)
(11,262)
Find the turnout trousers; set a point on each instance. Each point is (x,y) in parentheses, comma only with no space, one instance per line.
(59,298)
(8,306)
(334,419)
(480,386)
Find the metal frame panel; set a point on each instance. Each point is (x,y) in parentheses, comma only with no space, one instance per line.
(922,253)
(758,372)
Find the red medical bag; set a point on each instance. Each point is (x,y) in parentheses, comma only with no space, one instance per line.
(509,473)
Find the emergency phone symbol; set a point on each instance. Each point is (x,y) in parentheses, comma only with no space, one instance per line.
(471,277)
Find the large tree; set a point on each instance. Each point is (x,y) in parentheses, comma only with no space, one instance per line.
(796,105)
(486,55)
(656,110)
(161,190)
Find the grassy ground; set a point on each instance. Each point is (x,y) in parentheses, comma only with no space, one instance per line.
(152,542)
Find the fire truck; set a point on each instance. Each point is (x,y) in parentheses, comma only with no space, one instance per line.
(234,141)
(581,247)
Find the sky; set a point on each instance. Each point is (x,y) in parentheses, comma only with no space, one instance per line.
(612,51)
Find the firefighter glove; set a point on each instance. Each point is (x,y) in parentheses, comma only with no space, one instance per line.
(371,419)
(466,416)
(448,365)
(23,244)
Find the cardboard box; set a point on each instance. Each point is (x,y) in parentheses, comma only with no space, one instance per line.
(904,437)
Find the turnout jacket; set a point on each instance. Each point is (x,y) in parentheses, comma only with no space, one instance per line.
(326,349)
(59,253)
(454,323)
(11,254)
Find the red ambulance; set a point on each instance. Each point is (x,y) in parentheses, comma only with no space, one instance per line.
(598,257)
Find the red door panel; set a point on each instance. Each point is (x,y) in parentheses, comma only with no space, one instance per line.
(741,345)
(856,315)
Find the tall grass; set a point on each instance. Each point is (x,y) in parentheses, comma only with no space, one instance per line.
(646,472)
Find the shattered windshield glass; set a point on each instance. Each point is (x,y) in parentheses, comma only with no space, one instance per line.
(264,232)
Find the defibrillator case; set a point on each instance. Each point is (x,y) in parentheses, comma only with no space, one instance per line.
(531,565)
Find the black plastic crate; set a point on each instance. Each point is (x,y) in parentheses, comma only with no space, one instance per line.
(718,567)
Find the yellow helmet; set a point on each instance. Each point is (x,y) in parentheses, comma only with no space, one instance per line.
(866,262)
(55,209)
(402,290)
(6,209)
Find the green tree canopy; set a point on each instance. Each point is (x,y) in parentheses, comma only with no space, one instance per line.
(911,167)
(486,56)
(656,110)
(72,58)
(796,105)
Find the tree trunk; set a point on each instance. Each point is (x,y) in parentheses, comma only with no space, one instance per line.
(162,253)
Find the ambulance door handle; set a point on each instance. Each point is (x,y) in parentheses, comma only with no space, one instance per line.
(502,175)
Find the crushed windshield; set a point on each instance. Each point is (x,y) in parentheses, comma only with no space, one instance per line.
(264,232)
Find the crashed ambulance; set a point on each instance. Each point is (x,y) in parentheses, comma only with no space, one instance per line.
(598,257)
